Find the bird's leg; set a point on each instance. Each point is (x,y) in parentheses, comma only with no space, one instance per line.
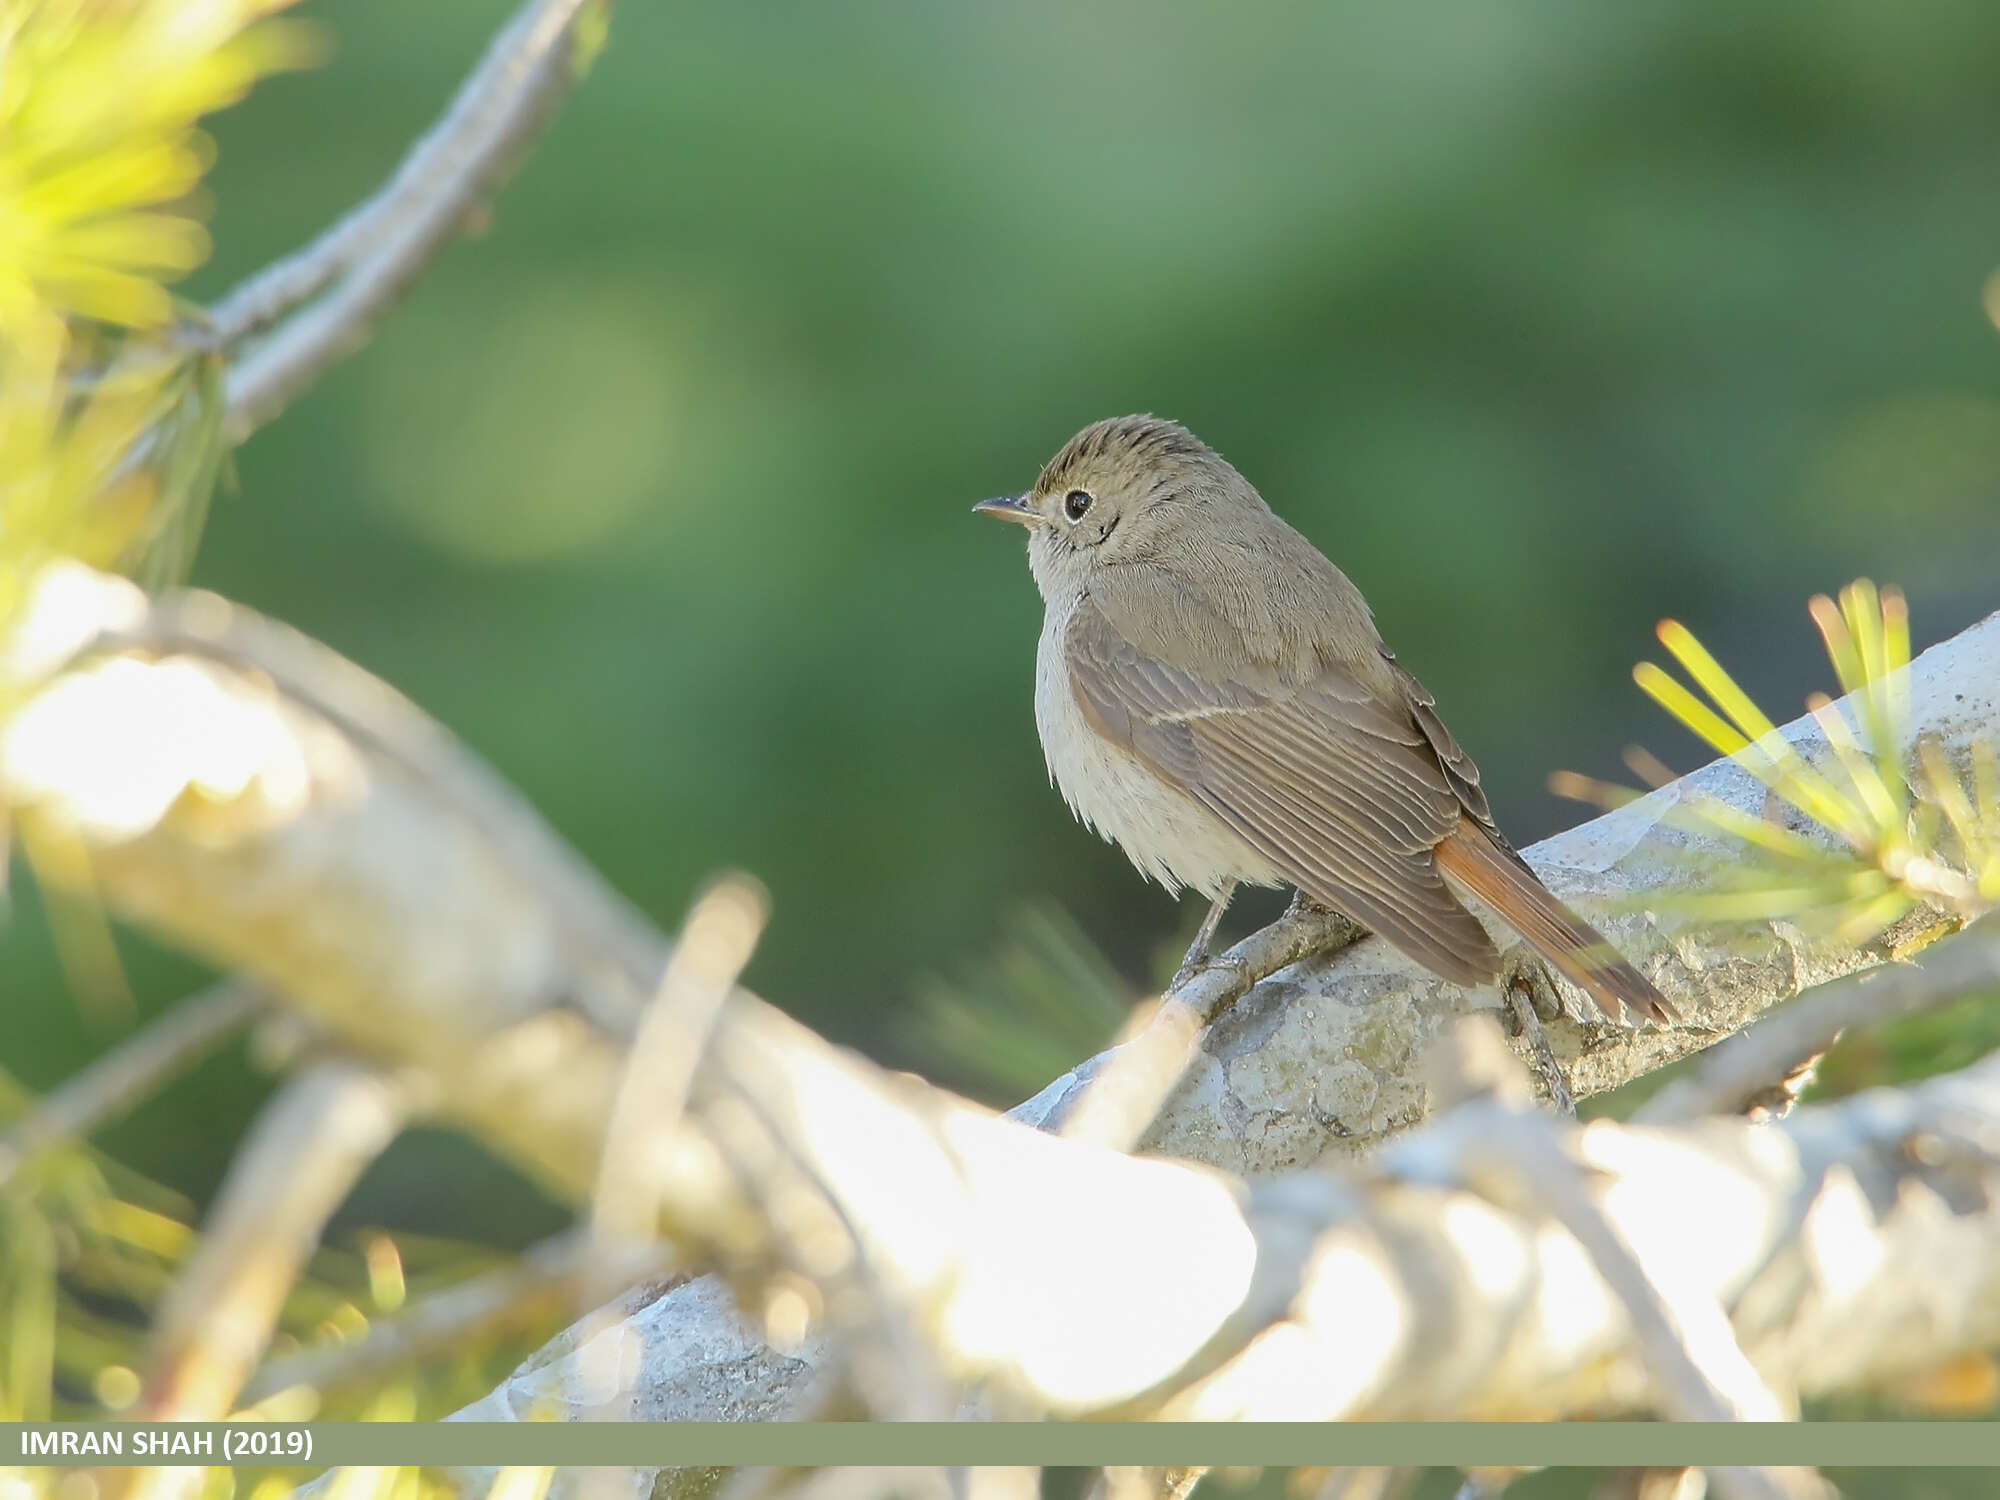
(1197,954)
(1342,930)
(1530,993)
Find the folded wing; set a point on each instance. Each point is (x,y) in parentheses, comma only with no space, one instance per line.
(1340,791)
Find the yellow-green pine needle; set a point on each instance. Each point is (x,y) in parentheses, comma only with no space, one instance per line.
(1795,782)
(1949,796)
(1578,787)
(1986,782)
(141,1228)
(1862,773)
(1782,769)
(1895,635)
(1666,691)
(1764,903)
(1840,648)
(1717,683)
(1866,613)
(1862,610)
(1852,632)
(1755,830)
(1865,923)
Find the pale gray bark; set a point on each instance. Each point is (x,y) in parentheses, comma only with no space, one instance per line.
(1850,1247)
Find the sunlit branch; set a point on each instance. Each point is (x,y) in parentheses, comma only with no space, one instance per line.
(383,883)
(303,1156)
(361,266)
(557,1278)
(1428,1282)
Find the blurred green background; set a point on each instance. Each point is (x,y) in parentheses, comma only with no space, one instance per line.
(1544,318)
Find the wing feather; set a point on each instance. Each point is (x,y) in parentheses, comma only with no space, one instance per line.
(1343,793)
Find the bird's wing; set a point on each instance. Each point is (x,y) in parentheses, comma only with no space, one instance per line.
(1458,768)
(1338,787)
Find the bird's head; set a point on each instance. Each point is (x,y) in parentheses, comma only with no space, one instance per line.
(1122,490)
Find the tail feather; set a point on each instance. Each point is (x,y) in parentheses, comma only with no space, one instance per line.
(1556,932)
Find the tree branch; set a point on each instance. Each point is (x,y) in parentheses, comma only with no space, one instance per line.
(342,850)
(361,266)
(561,1276)
(348,854)
(1732,1076)
(355,858)
(1135,1078)
(304,1154)
(1853,1245)
(1682,1335)
(118,1080)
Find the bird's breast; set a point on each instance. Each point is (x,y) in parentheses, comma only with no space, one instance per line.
(1166,833)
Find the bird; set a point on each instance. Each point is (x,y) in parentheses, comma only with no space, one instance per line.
(1212,695)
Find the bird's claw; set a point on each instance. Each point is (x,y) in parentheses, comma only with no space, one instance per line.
(1300,905)
(1523,972)
(1193,968)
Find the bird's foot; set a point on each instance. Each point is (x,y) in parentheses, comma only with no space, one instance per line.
(1204,937)
(1523,970)
(1529,995)
(1197,964)
(1340,931)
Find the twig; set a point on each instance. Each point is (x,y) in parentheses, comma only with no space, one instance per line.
(1682,1333)
(715,943)
(368,870)
(1735,1073)
(903,1381)
(1687,1342)
(118,1080)
(1136,1078)
(372,256)
(550,1280)
(303,1155)
(1686,1339)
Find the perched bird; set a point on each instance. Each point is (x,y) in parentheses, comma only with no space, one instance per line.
(1212,695)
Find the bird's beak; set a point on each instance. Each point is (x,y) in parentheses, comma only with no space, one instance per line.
(1008,508)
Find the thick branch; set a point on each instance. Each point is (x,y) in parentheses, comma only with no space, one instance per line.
(316,833)
(351,855)
(331,842)
(1852,1246)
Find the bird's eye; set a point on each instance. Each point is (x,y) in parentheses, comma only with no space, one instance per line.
(1075,503)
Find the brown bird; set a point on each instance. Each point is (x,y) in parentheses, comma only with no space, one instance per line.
(1212,696)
